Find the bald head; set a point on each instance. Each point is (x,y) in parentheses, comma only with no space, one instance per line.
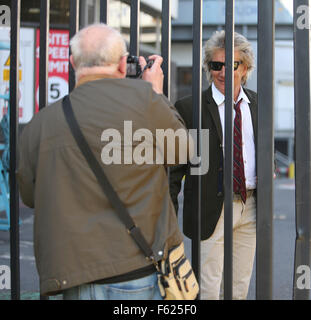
(96,46)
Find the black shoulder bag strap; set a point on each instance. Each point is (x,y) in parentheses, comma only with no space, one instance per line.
(114,199)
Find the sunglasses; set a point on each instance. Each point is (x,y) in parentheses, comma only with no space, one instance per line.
(217,66)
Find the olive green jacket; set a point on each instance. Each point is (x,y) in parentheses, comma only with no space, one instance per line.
(78,238)
(212,182)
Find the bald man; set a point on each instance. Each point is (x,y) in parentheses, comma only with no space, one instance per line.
(82,248)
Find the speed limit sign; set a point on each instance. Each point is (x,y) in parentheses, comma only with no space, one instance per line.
(58,66)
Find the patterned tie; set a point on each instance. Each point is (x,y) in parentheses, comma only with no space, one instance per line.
(238,163)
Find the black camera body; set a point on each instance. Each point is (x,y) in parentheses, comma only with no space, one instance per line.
(133,68)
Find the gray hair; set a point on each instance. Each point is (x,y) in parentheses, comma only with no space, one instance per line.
(241,44)
(107,48)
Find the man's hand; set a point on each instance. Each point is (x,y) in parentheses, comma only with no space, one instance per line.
(154,75)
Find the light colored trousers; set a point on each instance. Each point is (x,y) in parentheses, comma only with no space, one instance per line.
(244,246)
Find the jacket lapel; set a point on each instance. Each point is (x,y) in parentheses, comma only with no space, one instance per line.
(209,104)
(253,109)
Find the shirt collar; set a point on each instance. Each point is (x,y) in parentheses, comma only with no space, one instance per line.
(220,98)
(243,96)
(217,95)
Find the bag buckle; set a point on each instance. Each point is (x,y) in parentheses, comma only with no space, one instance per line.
(155,263)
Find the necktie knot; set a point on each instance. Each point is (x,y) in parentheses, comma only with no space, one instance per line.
(237,105)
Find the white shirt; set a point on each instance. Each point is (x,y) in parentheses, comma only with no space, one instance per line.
(248,140)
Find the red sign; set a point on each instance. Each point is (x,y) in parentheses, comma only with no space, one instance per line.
(58,68)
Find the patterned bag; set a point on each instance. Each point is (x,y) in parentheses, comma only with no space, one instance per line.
(176,279)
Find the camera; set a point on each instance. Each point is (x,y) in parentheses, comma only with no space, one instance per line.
(133,68)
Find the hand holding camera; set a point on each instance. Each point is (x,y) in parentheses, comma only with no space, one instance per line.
(149,70)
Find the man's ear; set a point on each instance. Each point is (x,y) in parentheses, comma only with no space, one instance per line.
(72,62)
(122,65)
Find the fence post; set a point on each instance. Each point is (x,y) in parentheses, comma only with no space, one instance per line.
(134,27)
(265,148)
(103,14)
(197,124)
(44,52)
(73,29)
(166,46)
(14,120)
(228,161)
(302,145)
(44,60)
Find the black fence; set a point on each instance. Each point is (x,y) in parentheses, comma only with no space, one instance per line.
(265,143)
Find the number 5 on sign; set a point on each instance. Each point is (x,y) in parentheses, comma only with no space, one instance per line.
(54,91)
(57,89)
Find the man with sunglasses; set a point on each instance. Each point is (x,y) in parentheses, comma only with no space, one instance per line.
(244,170)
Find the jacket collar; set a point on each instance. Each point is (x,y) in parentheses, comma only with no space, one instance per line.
(93,77)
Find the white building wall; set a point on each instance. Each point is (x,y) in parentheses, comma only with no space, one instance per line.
(284,89)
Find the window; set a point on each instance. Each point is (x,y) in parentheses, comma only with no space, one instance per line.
(30,11)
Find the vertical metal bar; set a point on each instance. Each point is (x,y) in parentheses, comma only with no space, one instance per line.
(14,120)
(44,52)
(265,149)
(44,60)
(302,144)
(197,124)
(228,163)
(103,15)
(134,28)
(166,46)
(73,29)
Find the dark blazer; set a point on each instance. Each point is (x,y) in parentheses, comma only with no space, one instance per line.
(212,183)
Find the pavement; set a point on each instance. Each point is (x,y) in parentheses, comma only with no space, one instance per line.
(284,235)
(283,248)
(29,280)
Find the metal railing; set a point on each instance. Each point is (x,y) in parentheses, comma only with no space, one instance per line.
(265,149)
(265,142)
(302,146)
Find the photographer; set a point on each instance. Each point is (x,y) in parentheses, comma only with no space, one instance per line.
(82,248)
